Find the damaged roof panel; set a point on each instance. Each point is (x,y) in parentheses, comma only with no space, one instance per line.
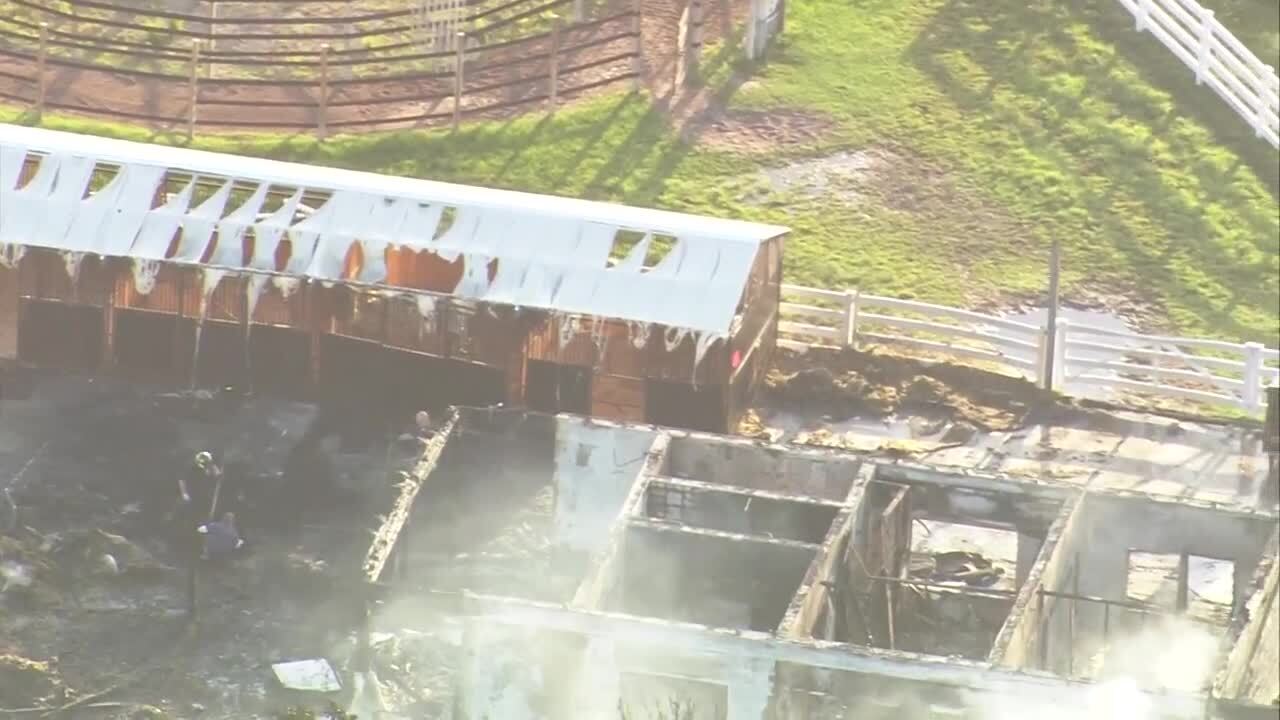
(552,252)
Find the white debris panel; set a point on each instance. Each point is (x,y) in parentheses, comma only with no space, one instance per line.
(232,213)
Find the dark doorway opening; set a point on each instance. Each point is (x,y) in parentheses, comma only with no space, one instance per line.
(60,335)
(556,388)
(686,406)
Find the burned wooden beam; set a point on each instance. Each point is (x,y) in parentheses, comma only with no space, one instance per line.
(384,540)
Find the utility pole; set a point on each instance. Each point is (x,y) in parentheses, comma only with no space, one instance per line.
(1051,323)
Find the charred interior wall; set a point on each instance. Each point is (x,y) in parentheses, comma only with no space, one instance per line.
(743,463)
(737,510)
(818,609)
(1081,634)
(965,621)
(1025,635)
(709,579)
(1249,673)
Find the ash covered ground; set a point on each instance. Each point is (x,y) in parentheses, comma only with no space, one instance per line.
(93,592)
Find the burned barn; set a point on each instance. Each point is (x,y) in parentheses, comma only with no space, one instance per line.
(207,269)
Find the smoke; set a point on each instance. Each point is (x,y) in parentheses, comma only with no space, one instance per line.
(1171,653)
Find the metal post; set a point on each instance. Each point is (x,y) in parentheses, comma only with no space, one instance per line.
(1051,323)
(1184,585)
(322,126)
(749,42)
(1059,357)
(458,80)
(577,11)
(1044,631)
(1071,617)
(195,89)
(554,71)
(41,62)
(888,605)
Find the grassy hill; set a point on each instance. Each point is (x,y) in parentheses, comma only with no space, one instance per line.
(931,149)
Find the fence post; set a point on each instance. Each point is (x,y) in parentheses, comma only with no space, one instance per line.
(1059,356)
(459,59)
(1204,51)
(322,125)
(195,88)
(577,11)
(682,44)
(554,70)
(1252,392)
(213,30)
(42,83)
(849,328)
(1140,17)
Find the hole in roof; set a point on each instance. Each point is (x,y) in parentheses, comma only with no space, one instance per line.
(625,241)
(30,166)
(240,195)
(205,189)
(101,177)
(447,217)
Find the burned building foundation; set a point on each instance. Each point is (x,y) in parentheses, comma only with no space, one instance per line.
(725,578)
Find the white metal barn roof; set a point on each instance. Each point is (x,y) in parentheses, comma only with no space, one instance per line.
(553,251)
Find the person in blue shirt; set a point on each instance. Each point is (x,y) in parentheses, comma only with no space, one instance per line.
(221,538)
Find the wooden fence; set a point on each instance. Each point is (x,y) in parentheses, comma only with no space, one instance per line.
(1219,60)
(1209,371)
(163,68)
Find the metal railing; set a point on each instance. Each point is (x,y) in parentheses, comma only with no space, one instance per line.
(1219,60)
(1209,371)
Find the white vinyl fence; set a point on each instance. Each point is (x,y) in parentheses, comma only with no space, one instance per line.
(1085,356)
(1218,59)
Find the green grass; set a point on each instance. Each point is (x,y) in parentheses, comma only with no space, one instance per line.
(1012,123)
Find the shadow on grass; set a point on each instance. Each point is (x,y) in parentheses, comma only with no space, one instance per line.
(643,163)
(1059,77)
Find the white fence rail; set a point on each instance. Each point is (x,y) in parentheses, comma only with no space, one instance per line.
(1084,356)
(1218,59)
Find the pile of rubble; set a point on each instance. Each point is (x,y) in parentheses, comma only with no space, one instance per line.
(44,571)
(25,682)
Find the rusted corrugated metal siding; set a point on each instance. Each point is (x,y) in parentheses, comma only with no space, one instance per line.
(619,398)
(275,308)
(165,296)
(409,328)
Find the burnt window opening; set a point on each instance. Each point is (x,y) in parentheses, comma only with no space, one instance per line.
(1202,587)
(672,504)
